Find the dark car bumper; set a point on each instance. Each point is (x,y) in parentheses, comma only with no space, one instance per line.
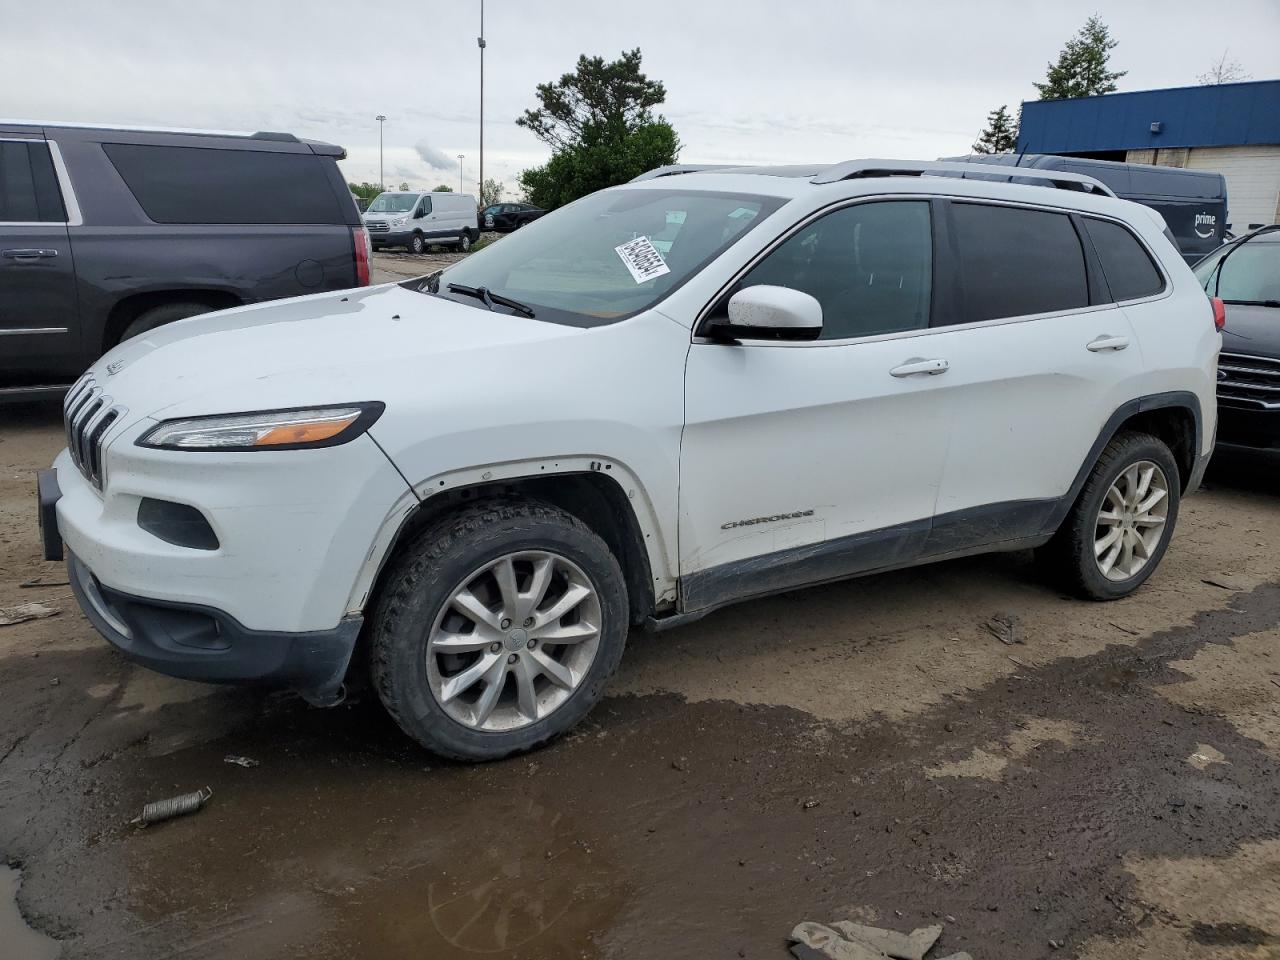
(1255,428)
(200,643)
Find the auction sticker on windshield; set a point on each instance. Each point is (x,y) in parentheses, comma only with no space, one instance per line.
(642,259)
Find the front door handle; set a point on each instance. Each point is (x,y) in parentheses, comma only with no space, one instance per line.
(1107,342)
(917,366)
(30,253)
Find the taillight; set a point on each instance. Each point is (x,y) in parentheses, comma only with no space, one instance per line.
(1219,312)
(364,252)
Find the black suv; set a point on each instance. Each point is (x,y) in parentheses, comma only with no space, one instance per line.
(106,233)
(505,217)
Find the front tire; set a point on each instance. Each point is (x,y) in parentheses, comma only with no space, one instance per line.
(417,244)
(1120,526)
(497,629)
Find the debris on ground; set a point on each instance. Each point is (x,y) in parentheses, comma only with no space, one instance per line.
(1223,583)
(178,806)
(40,582)
(1004,627)
(846,940)
(24,612)
(240,761)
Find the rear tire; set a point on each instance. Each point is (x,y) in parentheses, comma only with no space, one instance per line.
(1120,525)
(159,316)
(464,242)
(444,633)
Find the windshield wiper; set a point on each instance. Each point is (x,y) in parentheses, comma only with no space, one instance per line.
(488,298)
(1255,303)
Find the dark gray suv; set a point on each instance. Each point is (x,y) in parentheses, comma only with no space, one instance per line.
(106,233)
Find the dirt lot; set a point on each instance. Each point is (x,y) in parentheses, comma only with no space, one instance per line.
(863,750)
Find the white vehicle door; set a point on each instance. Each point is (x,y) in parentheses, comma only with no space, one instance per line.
(1040,360)
(808,461)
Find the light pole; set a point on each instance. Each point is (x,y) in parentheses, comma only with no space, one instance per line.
(380,118)
(480,44)
(461,157)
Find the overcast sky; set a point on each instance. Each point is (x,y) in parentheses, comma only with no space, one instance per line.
(747,80)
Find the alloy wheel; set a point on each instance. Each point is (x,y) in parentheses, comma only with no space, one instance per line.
(514,641)
(1131,520)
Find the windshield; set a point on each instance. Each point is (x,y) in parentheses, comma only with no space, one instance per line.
(1247,271)
(393,203)
(610,254)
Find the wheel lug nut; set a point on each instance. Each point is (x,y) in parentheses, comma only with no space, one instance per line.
(528,622)
(532,644)
(512,659)
(505,624)
(495,647)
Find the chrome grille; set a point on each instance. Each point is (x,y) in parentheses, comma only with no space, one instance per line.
(377,226)
(88,414)
(1252,383)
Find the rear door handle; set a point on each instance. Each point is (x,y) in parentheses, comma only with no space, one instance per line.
(28,254)
(917,367)
(1107,342)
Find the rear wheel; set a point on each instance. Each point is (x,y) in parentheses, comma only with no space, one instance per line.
(159,316)
(417,244)
(497,629)
(1122,521)
(464,242)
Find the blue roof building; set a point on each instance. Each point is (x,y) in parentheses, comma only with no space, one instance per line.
(1230,128)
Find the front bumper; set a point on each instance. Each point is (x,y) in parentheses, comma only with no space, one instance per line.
(1259,429)
(200,643)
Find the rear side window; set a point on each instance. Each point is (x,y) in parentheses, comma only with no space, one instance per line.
(202,185)
(1127,266)
(870,265)
(28,186)
(1015,262)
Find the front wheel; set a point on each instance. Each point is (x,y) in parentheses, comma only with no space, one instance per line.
(418,245)
(497,629)
(1122,521)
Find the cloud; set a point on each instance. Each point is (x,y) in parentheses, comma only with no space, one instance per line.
(433,157)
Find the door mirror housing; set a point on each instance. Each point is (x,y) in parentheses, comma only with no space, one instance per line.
(767,312)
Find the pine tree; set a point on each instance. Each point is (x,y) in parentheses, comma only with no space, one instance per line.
(1001,134)
(1082,67)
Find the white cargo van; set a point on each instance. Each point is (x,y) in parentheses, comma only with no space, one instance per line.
(415,220)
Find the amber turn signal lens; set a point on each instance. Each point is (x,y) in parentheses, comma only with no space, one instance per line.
(313,432)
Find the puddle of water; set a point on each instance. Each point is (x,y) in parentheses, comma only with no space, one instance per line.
(19,940)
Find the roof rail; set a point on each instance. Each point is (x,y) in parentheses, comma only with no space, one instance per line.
(671,169)
(274,135)
(856,169)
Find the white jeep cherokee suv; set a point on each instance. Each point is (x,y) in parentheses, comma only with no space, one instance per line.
(705,386)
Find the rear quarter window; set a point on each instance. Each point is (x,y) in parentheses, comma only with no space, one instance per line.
(1125,263)
(208,185)
(1016,262)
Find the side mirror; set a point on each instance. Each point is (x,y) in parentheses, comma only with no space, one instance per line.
(771,313)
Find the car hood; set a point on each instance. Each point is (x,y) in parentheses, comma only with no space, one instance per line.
(1252,330)
(355,345)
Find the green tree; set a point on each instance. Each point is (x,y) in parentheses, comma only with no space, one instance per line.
(600,125)
(491,191)
(1001,134)
(1083,66)
(365,191)
(443,188)
(404,185)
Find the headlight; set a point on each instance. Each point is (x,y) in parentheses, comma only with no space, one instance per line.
(294,429)
(399,221)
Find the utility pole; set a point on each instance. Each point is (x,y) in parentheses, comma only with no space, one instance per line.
(480,43)
(461,157)
(380,118)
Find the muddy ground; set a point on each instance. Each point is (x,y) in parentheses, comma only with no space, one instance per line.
(862,750)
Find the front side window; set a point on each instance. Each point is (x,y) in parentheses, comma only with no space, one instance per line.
(29,190)
(424,207)
(1129,271)
(1016,262)
(869,265)
(610,254)
(1247,271)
